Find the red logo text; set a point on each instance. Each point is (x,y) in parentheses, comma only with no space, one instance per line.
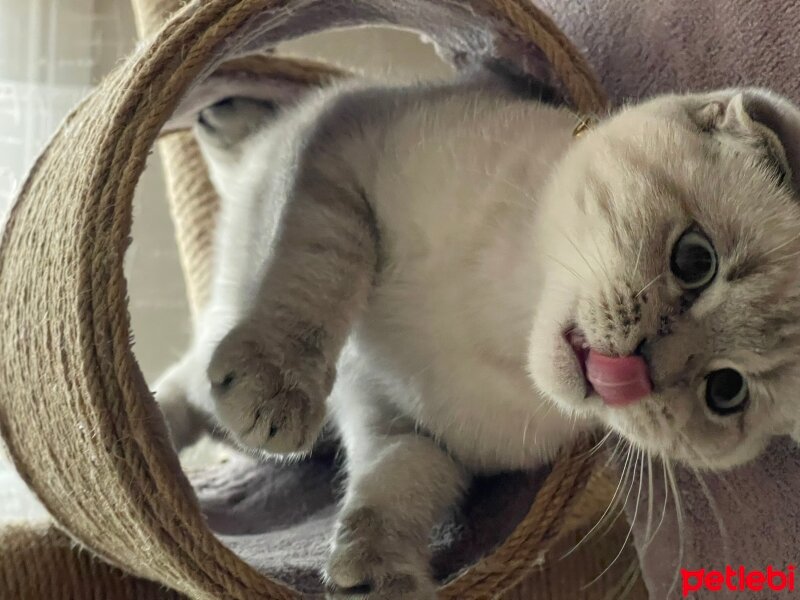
(738,580)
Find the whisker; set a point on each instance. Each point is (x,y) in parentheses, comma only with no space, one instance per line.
(679,516)
(648,527)
(723,532)
(663,509)
(628,495)
(525,431)
(630,529)
(565,267)
(627,582)
(600,521)
(596,448)
(652,281)
(599,262)
(600,443)
(788,256)
(638,258)
(581,254)
(781,245)
(707,463)
(614,453)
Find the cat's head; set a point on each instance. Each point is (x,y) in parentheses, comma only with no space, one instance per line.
(671,241)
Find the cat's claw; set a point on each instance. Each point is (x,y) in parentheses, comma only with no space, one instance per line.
(373,561)
(267,395)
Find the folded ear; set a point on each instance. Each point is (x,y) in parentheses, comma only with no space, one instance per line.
(763,123)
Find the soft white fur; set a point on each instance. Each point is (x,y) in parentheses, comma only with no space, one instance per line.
(442,344)
(491,245)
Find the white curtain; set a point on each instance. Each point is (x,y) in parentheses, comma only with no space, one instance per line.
(51,51)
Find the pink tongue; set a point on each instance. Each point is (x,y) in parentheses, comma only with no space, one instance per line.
(619,380)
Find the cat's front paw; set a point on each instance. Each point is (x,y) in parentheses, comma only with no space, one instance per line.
(373,560)
(269,394)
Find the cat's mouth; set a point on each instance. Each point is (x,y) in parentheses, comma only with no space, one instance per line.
(580,347)
(618,380)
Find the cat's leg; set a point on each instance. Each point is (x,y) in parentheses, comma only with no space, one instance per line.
(182,390)
(400,485)
(271,374)
(186,421)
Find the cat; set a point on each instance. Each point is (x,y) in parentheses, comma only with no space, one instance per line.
(461,285)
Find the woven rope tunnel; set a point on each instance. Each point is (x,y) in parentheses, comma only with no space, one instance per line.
(75,412)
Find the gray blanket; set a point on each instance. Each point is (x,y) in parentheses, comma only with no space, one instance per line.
(280,517)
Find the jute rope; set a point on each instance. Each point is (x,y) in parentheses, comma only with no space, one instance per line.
(540,529)
(39,562)
(568,64)
(193,206)
(75,411)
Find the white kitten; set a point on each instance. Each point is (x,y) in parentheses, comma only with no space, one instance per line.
(487,287)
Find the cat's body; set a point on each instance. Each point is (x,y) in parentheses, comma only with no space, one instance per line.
(425,240)
(441,332)
(443,322)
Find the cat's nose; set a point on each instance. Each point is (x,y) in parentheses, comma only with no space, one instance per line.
(645,350)
(618,380)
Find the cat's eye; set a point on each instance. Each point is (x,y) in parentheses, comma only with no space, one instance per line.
(726,391)
(693,261)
